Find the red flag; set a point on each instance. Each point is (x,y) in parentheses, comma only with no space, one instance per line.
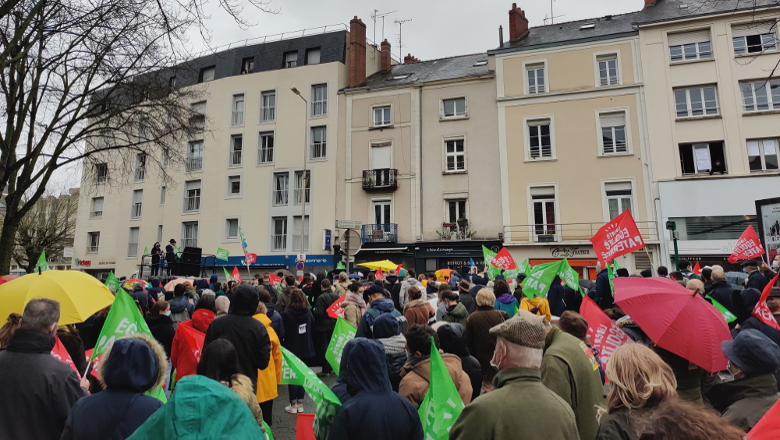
(250,258)
(304,427)
(61,353)
(235,277)
(274,280)
(768,427)
(605,335)
(335,311)
(697,268)
(761,311)
(504,260)
(748,246)
(95,362)
(379,275)
(194,341)
(398,269)
(616,238)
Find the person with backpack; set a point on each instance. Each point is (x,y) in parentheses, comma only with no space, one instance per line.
(379,305)
(181,308)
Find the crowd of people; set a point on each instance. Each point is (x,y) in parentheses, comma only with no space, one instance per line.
(523,367)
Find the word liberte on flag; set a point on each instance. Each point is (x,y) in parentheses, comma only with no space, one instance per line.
(617,237)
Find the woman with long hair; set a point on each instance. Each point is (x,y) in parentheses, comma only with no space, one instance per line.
(219,361)
(354,306)
(12,324)
(298,339)
(640,381)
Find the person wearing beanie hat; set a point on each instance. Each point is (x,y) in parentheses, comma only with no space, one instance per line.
(518,356)
(753,358)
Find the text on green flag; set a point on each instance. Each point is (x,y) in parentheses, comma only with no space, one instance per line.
(442,404)
(538,282)
(222,254)
(342,333)
(124,319)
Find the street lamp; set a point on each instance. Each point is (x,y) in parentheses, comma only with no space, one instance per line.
(303,176)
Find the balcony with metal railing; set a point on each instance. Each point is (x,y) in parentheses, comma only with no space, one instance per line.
(379,233)
(192,204)
(237,118)
(193,163)
(380,179)
(140,174)
(96,214)
(296,242)
(235,158)
(136,210)
(268,114)
(460,230)
(281,197)
(574,233)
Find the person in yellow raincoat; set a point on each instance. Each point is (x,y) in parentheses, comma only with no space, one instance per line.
(268,379)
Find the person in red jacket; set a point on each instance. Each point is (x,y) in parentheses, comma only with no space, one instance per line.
(182,357)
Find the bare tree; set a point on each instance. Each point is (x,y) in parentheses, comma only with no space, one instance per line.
(89,81)
(49,226)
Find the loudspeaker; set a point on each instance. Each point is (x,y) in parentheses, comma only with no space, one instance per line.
(190,270)
(191,255)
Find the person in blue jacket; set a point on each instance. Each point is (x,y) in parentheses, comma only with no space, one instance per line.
(555,297)
(374,410)
(604,297)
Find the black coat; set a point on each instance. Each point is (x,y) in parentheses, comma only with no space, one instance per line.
(572,298)
(467,300)
(757,280)
(555,297)
(322,321)
(170,255)
(604,297)
(721,292)
(298,327)
(142,298)
(162,329)
(37,391)
(156,252)
(247,334)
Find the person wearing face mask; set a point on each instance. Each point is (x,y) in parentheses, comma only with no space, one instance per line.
(161,325)
(494,416)
(756,280)
(753,357)
(37,390)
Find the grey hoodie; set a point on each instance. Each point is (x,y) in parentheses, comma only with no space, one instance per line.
(403,297)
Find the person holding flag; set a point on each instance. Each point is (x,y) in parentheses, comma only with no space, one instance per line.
(494,416)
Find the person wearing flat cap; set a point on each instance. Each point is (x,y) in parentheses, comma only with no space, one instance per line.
(753,358)
(756,280)
(521,407)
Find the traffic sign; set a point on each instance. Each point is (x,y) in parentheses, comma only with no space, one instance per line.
(299,266)
(348,224)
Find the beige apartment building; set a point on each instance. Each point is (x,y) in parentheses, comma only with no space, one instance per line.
(420,162)
(245,170)
(713,107)
(572,138)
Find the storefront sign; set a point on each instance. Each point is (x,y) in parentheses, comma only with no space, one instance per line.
(569,252)
(83,262)
(768,211)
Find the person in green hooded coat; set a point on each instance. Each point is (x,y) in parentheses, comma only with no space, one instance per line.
(456,311)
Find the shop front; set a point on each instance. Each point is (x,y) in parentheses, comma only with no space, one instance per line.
(432,256)
(97,268)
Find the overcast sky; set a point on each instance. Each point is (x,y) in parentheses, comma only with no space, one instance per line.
(438,28)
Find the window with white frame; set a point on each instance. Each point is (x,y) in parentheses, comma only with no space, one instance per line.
(696,101)
(197,119)
(234,187)
(313,56)
(237,113)
(279,236)
(137,206)
(300,184)
(97,208)
(163,190)
(101,172)
(760,95)
(265,147)
(291,59)
(382,116)
(381,156)
(268,106)
(702,158)
(754,38)
(608,69)
(762,154)
(281,189)
(539,139)
(296,233)
(619,198)
(207,74)
(193,160)
(165,158)
(543,200)
(132,242)
(535,74)
(236,150)
(456,210)
(231,229)
(455,155)
(189,234)
(140,167)
(454,108)
(693,45)
(93,242)
(319,100)
(192,196)
(319,144)
(382,210)
(613,132)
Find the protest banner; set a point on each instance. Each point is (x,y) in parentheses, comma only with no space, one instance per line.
(227,274)
(193,339)
(537,283)
(343,332)
(605,335)
(761,310)
(442,404)
(335,311)
(768,427)
(250,258)
(569,276)
(379,275)
(616,238)
(60,352)
(503,260)
(112,281)
(748,246)
(41,265)
(730,317)
(235,277)
(222,254)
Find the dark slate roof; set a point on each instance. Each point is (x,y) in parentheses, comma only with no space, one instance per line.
(616,26)
(428,71)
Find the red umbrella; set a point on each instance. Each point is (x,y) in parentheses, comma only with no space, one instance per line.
(675,319)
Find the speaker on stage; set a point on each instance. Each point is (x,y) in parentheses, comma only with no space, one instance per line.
(189,265)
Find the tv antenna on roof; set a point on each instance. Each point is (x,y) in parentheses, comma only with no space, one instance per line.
(376,15)
(400,23)
(552,16)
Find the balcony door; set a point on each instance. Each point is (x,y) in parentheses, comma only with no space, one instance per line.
(382,212)
(381,160)
(543,202)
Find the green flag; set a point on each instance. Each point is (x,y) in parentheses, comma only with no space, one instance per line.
(610,275)
(730,317)
(268,431)
(112,281)
(227,275)
(146,251)
(222,254)
(442,404)
(340,265)
(288,375)
(569,275)
(342,333)
(178,251)
(488,256)
(538,282)
(525,267)
(326,403)
(42,264)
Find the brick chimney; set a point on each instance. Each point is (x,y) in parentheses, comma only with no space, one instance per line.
(386,60)
(518,24)
(650,2)
(409,59)
(357,52)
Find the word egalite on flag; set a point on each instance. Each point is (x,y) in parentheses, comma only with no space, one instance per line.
(616,238)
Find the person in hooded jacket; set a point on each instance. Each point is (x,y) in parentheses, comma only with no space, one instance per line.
(555,297)
(343,285)
(388,332)
(505,301)
(538,306)
(456,311)
(222,306)
(480,343)
(181,308)
(133,365)
(416,374)
(744,302)
(182,358)
(248,335)
(271,376)
(753,358)
(374,409)
(213,280)
(142,298)
(379,306)
(161,326)
(604,298)
(403,295)
(340,387)
(464,296)
(275,317)
(298,339)
(417,310)
(283,301)
(324,324)
(453,341)
(353,305)
(156,291)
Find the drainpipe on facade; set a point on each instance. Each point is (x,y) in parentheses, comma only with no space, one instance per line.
(662,232)
(419,165)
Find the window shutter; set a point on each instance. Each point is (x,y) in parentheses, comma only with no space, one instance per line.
(689,37)
(743,30)
(543,191)
(613,119)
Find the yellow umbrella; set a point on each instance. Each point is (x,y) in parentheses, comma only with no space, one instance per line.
(80,295)
(385,265)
